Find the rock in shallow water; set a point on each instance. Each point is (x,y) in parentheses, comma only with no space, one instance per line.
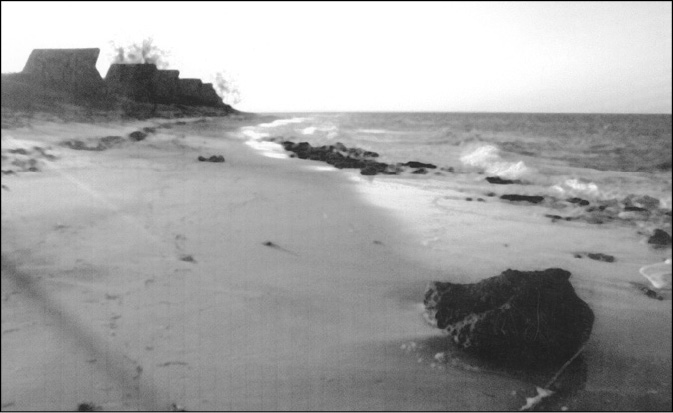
(522,317)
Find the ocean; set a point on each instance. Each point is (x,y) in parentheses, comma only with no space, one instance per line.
(592,156)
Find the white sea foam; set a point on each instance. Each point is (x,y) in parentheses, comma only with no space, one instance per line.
(250,133)
(658,274)
(281,122)
(487,157)
(374,131)
(309,131)
(330,130)
(577,188)
(268,149)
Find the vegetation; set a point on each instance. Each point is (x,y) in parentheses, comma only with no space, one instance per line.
(227,88)
(143,52)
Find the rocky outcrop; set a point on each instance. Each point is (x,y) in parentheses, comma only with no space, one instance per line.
(518,316)
(596,256)
(415,164)
(500,181)
(578,201)
(73,70)
(213,158)
(342,157)
(533,199)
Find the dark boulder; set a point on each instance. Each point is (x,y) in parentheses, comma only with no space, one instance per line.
(578,201)
(498,180)
(523,317)
(597,256)
(369,170)
(414,164)
(420,171)
(635,209)
(213,158)
(660,237)
(533,199)
(137,135)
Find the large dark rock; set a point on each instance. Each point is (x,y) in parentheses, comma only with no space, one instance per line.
(660,237)
(519,316)
(415,164)
(578,201)
(500,181)
(533,199)
(597,256)
(213,158)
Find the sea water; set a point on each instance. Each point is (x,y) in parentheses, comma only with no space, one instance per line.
(593,156)
(600,158)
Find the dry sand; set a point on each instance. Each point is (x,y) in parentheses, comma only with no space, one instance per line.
(137,277)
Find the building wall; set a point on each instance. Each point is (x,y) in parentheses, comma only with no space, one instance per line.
(68,69)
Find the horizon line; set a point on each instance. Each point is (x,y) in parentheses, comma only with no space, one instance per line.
(458,111)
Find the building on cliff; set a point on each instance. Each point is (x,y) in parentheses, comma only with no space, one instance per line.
(72,70)
(132,81)
(145,83)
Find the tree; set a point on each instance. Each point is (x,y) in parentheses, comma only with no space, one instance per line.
(226,87)
(143,52)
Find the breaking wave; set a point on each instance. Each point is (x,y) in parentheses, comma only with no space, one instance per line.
(487,157)
(578,188)
(281,122)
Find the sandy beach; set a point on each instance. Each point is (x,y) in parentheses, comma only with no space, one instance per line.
(138,278)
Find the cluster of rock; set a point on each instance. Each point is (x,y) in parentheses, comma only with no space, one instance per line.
(73,72)
(212,158)
(596,256)
(15,160)
(632,209)
(523,317)
(342,157)
(501,181)
(107,142)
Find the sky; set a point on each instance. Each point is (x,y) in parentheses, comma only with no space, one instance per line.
(584,57)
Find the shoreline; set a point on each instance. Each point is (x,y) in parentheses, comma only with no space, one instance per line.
(204,333)
(161,259)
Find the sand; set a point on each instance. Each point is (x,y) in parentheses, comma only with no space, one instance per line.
(138,278)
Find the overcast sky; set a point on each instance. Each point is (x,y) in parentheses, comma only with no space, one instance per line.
(609,57)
